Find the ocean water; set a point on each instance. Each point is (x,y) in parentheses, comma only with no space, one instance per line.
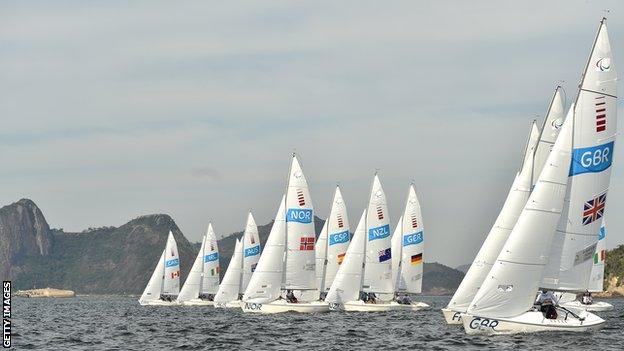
(120,323)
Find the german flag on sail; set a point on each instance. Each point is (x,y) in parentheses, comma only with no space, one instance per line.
(416,259)
(341,258)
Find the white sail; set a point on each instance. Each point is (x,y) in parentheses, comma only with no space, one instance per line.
(496,238)
(511,285)
(266,282)
(251,250)
(348,281)
(397,237)
(412,245)
(230,285)
(192,284)
(337,240)
(300,234)
(212,267)
(320,252)
(378,261)
(171,283)
(154,286)
(549,132)
(597,274)
(595,127)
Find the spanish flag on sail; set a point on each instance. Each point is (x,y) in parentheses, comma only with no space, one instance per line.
(341,258)
(416,259)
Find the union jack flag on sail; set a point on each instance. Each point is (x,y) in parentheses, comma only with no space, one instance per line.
(593,209)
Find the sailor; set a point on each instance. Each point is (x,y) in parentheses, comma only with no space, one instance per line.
(372,298)
(547,302)
(290,296)
(587,298)
(403,300)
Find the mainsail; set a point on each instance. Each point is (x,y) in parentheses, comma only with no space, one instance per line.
(516,199)
(397,241)
(378,263)
(595,128)
(266,282)
(230,285)
(171,283)
(300,236)
(212,267)
(251,251)
(511,285)
(192,285)
(348,281)
(412,246)
(335,242)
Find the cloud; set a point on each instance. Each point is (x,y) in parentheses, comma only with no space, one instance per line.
(112,109)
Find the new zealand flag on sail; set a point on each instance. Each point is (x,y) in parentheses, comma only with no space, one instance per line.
(385,255)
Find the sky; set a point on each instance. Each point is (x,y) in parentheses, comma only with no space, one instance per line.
(110,110)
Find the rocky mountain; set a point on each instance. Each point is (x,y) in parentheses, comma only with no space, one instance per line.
(463,268)
(118,260)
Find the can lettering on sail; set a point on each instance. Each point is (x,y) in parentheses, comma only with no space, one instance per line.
(172,262)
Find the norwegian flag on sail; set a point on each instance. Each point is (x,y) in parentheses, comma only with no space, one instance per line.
(601,114)
(593,209)
(306,243)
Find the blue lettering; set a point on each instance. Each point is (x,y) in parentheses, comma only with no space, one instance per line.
(413,239)
(252,251)
(211,257)
(339,238)
(379,232)
(299,215)
(593,159)
(172,262)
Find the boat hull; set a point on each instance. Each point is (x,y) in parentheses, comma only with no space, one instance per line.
(361,306)
(598,306)
(158,303)
(452,317)
(530,322)
(197,302)
(281,306)
(229,304)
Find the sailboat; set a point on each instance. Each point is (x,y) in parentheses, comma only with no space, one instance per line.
(558,219)
(407,254)
(245,259)
(372,256)
(571,300)
(202,282)
(164,285)
(538,146)
(332,244)
(295,237)
(227,295)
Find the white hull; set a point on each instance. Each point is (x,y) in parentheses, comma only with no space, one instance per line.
(361,306)
(452,317)
(531,322)
(158,303)
(197,302)
(414,306)
(597,306)
(281,306)
(231,304)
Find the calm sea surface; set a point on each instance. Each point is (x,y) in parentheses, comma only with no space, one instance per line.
(120,323)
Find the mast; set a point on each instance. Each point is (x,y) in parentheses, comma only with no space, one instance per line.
(286,224)
(323,275)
